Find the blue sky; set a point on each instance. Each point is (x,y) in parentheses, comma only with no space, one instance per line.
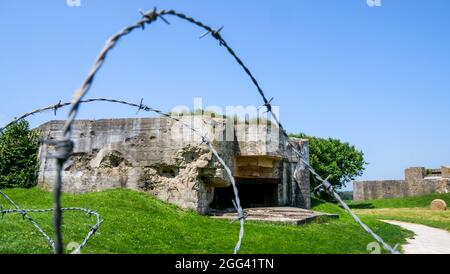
(377,77)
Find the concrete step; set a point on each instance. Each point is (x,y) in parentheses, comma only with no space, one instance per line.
(287,215)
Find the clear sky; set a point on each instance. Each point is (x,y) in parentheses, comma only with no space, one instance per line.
(377,77)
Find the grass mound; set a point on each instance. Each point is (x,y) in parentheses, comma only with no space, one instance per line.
(135,222)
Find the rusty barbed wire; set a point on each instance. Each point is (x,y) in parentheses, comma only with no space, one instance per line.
(51,243)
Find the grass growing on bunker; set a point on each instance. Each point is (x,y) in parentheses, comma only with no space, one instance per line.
(136,222)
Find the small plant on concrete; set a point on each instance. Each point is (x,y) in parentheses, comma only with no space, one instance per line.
(18,156)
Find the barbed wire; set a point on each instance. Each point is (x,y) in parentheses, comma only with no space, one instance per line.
(268,104)
(64,146)
(51,243)
(142,106)
(300,155)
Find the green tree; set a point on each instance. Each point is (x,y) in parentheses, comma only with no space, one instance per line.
(18,156)
(333,157)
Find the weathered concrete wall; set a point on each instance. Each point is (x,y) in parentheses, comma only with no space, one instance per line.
(368,190)
(141,154)
(417,182)
(445,172)
(300,188)
(161,157)
(414,174)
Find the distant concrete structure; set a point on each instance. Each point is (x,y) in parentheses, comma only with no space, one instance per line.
(418,181)
(158,156)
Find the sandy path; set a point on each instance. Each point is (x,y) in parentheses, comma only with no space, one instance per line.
(428,240)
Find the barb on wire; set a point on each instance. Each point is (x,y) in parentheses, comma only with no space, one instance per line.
(56,107)
(53,107)
(141,106)
(51,243)
(214,33)
(321,185)
(267,105)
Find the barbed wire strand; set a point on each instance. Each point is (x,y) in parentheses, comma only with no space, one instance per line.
(91,232)
(50,242)
(24,213)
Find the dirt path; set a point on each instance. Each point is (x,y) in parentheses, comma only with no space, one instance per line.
(428,240)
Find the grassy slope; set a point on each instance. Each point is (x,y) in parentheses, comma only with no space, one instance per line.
(408,202)
(138,223)
(411,209)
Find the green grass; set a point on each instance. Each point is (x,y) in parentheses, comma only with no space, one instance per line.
(138,223)
(425,216)
(407,202)
(410,209)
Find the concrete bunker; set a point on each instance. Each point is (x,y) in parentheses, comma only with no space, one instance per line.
(156,156)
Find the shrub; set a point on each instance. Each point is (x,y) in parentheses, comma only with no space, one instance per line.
(333,157)
(18,156)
